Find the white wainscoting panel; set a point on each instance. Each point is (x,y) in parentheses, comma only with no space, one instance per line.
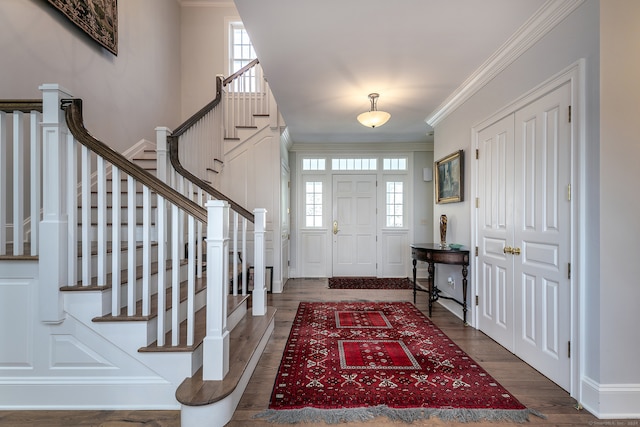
(396,257)
(313,253)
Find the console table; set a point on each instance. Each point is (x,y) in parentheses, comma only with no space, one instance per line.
(433,253)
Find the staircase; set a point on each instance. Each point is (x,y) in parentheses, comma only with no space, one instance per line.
(114,303)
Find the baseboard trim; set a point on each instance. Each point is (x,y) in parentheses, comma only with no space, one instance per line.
(610,401)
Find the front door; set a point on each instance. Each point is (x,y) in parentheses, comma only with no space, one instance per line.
(354,225)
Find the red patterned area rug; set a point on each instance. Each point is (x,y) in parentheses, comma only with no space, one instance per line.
(354,361)
(369,283)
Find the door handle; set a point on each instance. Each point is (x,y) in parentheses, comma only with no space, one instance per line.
(508,250)
(335,227)
(516,251)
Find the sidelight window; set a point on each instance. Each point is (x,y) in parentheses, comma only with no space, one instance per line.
(313,204)
(395,204)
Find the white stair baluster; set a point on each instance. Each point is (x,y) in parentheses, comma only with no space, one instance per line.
(116,223)
(162,271)
(146,251)
(175,277)
(3,183)
(18,184)
(131,246)
(36,164)
(235,253)
(244,258)
(102,222)
(199,237)
(191,279)
(72,208)
(85,215)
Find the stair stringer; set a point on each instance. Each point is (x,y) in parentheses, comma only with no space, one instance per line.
(130,336)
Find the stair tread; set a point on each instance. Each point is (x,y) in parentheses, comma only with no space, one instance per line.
(199,332)
(26,256)
(243,341)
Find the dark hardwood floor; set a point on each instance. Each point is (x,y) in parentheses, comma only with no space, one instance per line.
(530,387)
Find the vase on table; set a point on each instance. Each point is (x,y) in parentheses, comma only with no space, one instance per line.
(443,231)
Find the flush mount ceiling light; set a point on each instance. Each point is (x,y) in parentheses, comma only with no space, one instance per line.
(373,117)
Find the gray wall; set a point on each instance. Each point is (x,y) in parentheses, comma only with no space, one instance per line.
(608,286)
(618,244)
(125,96)
(203,37)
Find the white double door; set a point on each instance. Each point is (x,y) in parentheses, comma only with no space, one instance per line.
(523,233)
(354,225)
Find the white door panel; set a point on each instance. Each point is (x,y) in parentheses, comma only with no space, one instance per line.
(495,224)
(542,146)
(354,236)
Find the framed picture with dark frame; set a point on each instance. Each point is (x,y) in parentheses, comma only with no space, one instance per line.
(97,18)
(450,178)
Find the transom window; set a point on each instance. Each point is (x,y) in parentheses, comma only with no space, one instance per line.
(394,164)
(354,164)
(313,164)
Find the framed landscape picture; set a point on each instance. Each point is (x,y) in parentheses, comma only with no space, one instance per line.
(449,181)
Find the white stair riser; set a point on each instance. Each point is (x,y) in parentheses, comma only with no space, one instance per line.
(124,199)
(105,302)
(152,329)
(124,214)
(123,259)
(123,233)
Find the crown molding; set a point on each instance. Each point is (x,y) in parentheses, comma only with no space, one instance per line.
(206,3)
(542,22)
(358,147)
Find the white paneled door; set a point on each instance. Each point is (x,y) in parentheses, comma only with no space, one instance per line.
(354,225)
(524,176)
(495,230)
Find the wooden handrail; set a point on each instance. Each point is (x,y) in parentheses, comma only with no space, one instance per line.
(240,72)
(173,141)
(24,105)
(75,122)
(202,112)
(173,156)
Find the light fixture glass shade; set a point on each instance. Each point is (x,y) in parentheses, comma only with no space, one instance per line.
(373,117)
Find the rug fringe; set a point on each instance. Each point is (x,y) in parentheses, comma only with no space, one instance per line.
(342,415)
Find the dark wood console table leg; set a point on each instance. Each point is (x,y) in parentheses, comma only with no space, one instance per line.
(430,280)
(414,280)
(464,294)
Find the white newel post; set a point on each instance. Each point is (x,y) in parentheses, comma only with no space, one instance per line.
(54,251)
(216,344)
(259,289)
(162,150)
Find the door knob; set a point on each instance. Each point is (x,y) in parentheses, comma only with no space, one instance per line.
(515,251)
(508,250)
(335,227)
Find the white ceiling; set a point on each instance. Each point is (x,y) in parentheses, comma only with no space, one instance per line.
(322,58)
